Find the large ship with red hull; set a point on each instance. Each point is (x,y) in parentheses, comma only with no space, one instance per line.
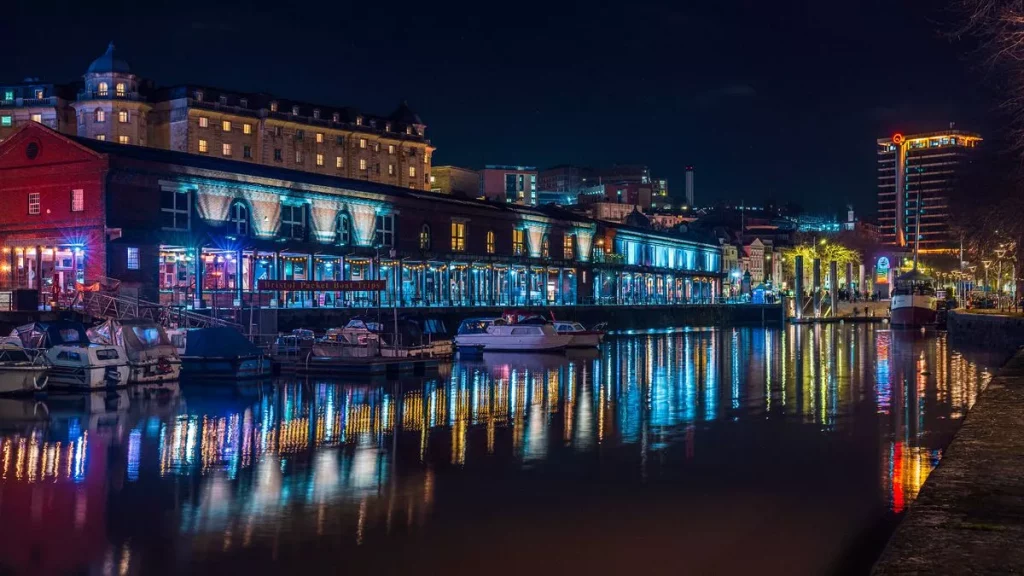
(913,301)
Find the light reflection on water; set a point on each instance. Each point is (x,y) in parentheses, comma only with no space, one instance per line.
(178,480)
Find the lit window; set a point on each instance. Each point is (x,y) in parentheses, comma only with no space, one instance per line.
(9,95)
(490,241)
(316,114)
(545,247)
(133,258)
(387,126)
(247,128)
(295,110)
(412,171)
(391,169)
(385,230)
(33,203)
(174,209)
(246,151)
(339,162)
(458,236)
(319,159)
(39,94)
(123,140)
(38,118)
(6,121)
(362,164)
(298,156)
(203,147)
(425,237)
(101,115)
(101,137)
(103,89)
(273,106)
(342,229)
(335,117)
(204,121)
(293,222)
(77,200)
(120,90)
(319,137)
(426,159)
(362,143)
(226,125)
(359,120)
(376,146)
(391,149)
(122,116)
(408,130)
(226,149)
(239,218)
(567,247)
(518,242)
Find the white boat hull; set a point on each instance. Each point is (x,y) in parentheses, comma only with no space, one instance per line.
(154,371)
(513,343)
(88,377)
(22,379)
(912,310)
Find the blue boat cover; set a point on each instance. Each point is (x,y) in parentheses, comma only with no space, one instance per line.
(219,343)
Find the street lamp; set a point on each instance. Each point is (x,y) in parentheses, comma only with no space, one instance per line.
(986,263)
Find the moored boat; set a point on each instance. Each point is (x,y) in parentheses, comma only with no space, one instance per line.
(222,353)
(75,362)
(151,356)
(581,336)
(913,300)
(494,335)
(21,372)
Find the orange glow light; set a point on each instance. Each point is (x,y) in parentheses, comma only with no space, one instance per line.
(897,138)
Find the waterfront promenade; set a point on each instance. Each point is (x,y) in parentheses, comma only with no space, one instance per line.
(969,517)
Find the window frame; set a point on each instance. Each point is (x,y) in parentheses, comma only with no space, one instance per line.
(296,229)
(568,247)
(103,89)
(238,218)
(518,241)
(120,89)
(342,229)
(181,209)
(458,235)
(384,230)
(490,242)
(132,261)
(78,200)
(225,149)
(425,239)
(34,203)
(204,146)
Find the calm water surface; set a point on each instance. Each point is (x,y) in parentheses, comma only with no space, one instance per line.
(704,451)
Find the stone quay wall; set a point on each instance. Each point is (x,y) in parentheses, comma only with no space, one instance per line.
(995,331)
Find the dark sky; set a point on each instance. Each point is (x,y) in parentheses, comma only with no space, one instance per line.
(780,99)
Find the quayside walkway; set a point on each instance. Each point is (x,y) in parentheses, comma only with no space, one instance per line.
(969,516)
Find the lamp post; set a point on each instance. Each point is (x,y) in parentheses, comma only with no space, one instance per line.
(986,263)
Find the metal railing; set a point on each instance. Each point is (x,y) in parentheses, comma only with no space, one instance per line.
(104,305)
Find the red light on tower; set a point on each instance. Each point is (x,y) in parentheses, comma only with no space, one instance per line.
(897,139)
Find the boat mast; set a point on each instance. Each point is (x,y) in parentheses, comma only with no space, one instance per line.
(917,226)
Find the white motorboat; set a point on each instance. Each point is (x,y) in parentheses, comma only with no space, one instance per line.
(75,363)
(494,335)
(21,372)
(581,336)
(152,358)
(357,332)
(913,300)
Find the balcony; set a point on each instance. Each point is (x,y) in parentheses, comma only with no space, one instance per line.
(109,95)
(49,102)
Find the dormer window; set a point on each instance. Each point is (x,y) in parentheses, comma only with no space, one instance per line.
(335,117)
(359,120)
(223,100)
(120,89)
(103,89)
(244,102)
(273,106)
(387,127)
(295,110)
(408,130)
(39,94)
(316,114)
(199,96)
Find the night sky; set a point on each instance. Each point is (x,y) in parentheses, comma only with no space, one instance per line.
(765,99)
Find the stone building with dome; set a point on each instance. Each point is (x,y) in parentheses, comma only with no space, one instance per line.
(113,104)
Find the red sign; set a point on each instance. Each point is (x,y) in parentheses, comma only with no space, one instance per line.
(897,138)
(324,285)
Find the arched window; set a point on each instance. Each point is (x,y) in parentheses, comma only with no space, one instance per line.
(238,218)
(120,90)
(343,229)
(545,247)
(103,89)
(490,241)
(101,116)
(425,237)
(122,116)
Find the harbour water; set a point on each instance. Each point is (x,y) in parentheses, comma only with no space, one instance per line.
(789,450)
